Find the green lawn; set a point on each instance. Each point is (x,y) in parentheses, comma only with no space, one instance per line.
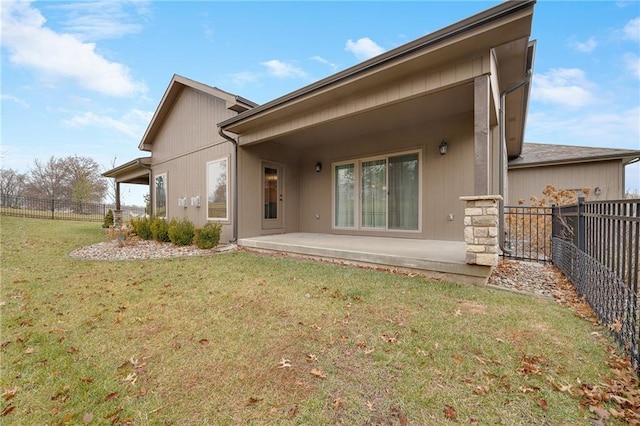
(240,338)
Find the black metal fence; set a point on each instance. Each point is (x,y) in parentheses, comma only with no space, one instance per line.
(12,205)
(528,233)
(596,245)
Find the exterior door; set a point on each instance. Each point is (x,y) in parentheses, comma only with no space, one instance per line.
(272,196)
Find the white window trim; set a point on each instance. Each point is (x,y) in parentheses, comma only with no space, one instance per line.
(218,160)
(357,162)
(166,195)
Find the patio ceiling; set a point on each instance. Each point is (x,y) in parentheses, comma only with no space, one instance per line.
(423,109)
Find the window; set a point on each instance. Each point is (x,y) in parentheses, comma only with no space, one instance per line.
(389,189)
(217,190)
(344,192)
(161,196)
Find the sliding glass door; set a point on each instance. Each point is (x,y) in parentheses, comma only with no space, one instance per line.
(389,193)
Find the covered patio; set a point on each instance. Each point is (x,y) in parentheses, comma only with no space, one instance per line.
(444,260)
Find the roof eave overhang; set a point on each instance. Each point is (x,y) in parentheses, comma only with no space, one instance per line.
(131,172)
(238,123)
(625,159)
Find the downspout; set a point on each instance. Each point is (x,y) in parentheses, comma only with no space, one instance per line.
(221,132)
(503,144)
(150,186)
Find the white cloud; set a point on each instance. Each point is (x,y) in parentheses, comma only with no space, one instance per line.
(282,69)
(568,87)
(586,47)
(96,20)
(131,124)
(243,78)
(631,31)
(15,99)
(633,64)
(324,61)
(364,48)
(59,55)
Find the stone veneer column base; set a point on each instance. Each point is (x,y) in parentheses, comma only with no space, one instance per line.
(481,229)
(117,219)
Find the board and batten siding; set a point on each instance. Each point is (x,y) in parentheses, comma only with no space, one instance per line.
(531,181)
(187,141)
(373,97)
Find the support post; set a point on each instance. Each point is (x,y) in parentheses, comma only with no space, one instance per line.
(481,229)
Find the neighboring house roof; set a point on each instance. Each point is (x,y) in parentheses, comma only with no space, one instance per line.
(482,29)
(539,154)
(177,84)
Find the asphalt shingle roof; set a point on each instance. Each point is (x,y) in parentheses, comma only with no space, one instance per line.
(540,154)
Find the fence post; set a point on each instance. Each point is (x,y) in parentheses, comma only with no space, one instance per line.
(53,208)
(581,220)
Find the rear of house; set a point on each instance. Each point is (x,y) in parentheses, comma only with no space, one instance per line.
(358,153)
(386,148)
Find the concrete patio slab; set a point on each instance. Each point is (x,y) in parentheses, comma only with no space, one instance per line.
(443,260)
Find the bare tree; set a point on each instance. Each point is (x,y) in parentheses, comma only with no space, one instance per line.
(72,178)
(12,184)
(47,180)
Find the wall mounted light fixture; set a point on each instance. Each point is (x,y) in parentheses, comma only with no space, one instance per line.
(318,167)
(443,147)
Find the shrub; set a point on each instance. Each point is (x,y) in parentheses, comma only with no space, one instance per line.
(181,232)
(208,236)
(108,219)
(142,227)
(159,230)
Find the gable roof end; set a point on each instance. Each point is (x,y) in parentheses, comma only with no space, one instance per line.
(176,85)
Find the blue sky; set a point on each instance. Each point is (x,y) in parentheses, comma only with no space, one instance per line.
(85,77)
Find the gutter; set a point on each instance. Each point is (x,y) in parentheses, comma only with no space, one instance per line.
(234,238)
(497,12)
(503,144)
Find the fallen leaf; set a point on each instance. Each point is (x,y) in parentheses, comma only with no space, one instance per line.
(450,412)
(370,406)
(318,373)
(457,313)
(284,363)
(338,402)
(87,417)
(112,396)
(481,390)
(8,409)
(312,358)
(457,358)
(117,319)
(402,419)
(254,400)
(29,350)
(293,411)
(9,393)
(203,342)
(72,350)
(616,325)
(67,419)
(142,392)
(542,403)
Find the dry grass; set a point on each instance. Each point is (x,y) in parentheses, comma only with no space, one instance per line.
(240,338)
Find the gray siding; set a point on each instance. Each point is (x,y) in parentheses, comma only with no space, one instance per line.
(606,175)
(188,140)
